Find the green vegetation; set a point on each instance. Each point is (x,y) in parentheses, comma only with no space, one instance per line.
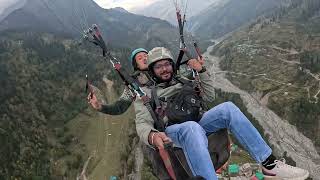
(224,17)
(43,82)
(146,173)
(277,58)
(127,155)
(311,60)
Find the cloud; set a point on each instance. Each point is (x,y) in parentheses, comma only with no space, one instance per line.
(4,4)
(127,4)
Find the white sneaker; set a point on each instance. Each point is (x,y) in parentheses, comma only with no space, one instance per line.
(283,171)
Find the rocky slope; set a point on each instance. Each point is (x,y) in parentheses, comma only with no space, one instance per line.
(226,16)
(165,9)
(277,58)
(283,136)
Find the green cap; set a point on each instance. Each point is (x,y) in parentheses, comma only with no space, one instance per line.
(135,52)
(157,54)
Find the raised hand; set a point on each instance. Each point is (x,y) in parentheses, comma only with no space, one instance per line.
(195,64)
(92,99)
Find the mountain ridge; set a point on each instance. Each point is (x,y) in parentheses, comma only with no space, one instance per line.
(222,18)
(16,5)
(165,10)
(71,18)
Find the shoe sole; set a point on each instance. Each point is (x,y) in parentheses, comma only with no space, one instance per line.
(278,178)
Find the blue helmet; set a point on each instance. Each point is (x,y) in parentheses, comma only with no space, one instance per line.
(135,52)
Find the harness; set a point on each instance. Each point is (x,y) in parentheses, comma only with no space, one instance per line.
(188,96)
(155,105)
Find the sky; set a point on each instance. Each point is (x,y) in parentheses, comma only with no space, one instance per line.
(126,4)
(5,4)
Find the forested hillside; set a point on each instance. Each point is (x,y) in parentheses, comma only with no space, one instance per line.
(42,74)
(226,16)
(277,59)
(43,87)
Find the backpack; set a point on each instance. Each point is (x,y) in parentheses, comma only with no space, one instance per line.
(186,105)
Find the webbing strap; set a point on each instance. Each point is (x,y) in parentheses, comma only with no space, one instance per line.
(154,97)
(181,53)
(167,162)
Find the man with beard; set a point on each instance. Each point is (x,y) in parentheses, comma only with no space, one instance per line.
(188,128)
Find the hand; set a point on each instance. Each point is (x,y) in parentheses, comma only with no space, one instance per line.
(201,60)
(159,139)
(195,64)
(92,99)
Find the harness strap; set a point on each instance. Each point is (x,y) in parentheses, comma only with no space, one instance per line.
(177,68)
(159,123)
(158,106)
(155,97)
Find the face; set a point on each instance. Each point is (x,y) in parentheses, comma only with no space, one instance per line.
(141,60)
(163,70)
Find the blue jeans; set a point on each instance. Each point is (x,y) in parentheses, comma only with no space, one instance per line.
(192,137)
